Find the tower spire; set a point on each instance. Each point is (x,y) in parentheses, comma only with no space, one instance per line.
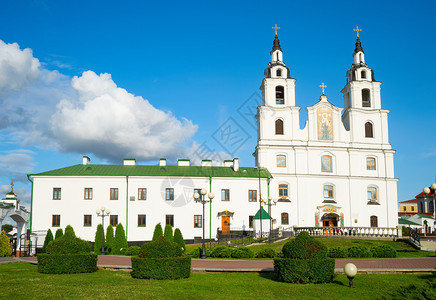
(358,44)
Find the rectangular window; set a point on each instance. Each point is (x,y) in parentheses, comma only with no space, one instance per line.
(198,221)
(372,194)
(328,191)
(169,194)
(56,193)
(326,163)
(141,220)
(88,194)
(285,219)
(225,195)
(56,220)
(142,194)
(412,208)
(283,190)
(281,161)
(370,163)
(114,194)
(169,219)
(252,195)
(113,220)
(250,221)
(87,220)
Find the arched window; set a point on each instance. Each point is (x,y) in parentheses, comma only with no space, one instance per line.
(372,194)
(285,219)
(374,221)
(283,190)
(363,74)
(281,161)
(328,191)
(366,100)
(369,130)
(326,163)
(370,163)
(279,73)
(280,95)
(422,207)
(431,206)
(279,126)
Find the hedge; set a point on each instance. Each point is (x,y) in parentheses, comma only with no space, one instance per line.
(266,253)
(359,251)
(303,247)
(242,252)
(133,251)
(161,248)
(196,252)
(161,268)
(337,252)
(67,263)
(221,252)
(384,251)
(68,245)
(313,270)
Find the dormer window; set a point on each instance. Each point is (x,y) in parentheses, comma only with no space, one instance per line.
(366,100)
(363,74)
(280,95)
(279,73)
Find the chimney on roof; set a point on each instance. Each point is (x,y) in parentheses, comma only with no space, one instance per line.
(206,163)
(129,161)
(183,162)
(235,164)
(162,162)
(86,160)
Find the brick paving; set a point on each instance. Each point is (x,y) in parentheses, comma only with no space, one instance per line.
(405,264)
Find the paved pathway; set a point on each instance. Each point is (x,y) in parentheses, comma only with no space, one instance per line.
(364,265)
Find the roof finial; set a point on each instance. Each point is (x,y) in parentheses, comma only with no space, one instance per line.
(275,27)
(323,86)
(357,29)
(12,186)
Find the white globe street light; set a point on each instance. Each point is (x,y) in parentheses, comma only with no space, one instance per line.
(102,212)
(200,198)
(350,270)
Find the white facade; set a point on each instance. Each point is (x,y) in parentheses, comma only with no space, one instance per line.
(336,171)
(356,184)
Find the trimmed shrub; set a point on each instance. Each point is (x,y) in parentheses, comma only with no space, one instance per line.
(242,252)
(424,290)
(69,231)
(109,239)
(359,251)
(68,245)
(337,252)
(157,231)
(133,251)
(5,246)
(98,240)
(168,234)
(266,253)
(161,268)
(303,247)
(304,261)
(384,251)
(178,238)
(59,233)
(48,239)
(120,241)
(221,252)
(67,263)
(160,248)
(196,252)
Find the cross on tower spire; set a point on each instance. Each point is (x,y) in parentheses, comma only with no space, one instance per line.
(357,29)
(12,186)
(323,86)
(275,27)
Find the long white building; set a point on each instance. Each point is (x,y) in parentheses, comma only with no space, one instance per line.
(336,171)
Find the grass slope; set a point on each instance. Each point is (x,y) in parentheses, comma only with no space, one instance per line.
(22,281)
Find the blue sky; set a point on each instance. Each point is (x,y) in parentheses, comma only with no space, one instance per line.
(198,65)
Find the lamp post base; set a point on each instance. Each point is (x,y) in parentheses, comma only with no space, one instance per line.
(351,282)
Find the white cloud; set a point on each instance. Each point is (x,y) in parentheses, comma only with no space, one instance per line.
(15,164)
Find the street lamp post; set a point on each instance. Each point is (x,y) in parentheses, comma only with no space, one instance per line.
(260,202)
(102,212)
(200,198)
(269,206)
(427,190)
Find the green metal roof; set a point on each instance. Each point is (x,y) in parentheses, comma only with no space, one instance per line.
(265,215)
(138,170)
(406,222)
(425,216)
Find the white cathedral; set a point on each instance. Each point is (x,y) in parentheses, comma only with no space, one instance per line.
(338,171)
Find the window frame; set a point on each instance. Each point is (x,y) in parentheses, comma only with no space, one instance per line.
(55,220)
(371,191)
(57,193)
(369,130)
(113,218)
(252,195)
(225,194)
(323,157)
(250,221)
(113,194)
(88,193)
(142,194)
(284,218)
(198,221)
(87,220)
(169,219)
(142,220)
(280,89)
(328,190)
(279,127)
(281,161)
(169,194)
(373,220)
(283,190)
(371,164)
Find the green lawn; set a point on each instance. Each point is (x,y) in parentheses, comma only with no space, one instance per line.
(332,242)
(22,281)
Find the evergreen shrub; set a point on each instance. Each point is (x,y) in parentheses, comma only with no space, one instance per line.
(161,259)
(67,255)
(359,251)
(108,244)
(98,240)
(242,252)
(221,252)
(337,252)
(157,231)
(178,238)
(133,251)
(69,230)
(5,246)
(196,252)
(266,253)
(304,260)
(384,251)
(59,233)
(48,239)
(168,234)
(120,242)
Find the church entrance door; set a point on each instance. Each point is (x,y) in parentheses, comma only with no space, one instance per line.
(330,220)
(225,224)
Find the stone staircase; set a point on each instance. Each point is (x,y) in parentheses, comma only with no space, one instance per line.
(428,246)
